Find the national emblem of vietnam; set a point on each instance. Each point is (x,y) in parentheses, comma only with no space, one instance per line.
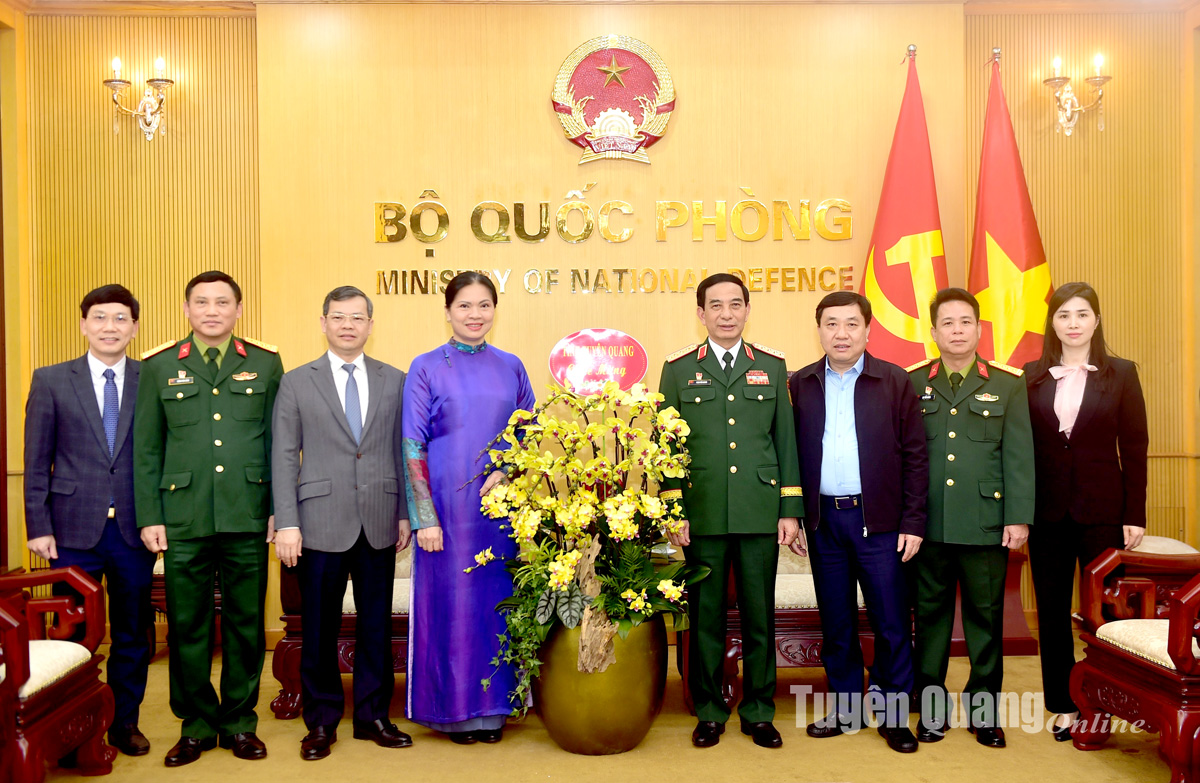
(614,96)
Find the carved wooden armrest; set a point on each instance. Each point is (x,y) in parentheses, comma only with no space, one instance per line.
(14,639)
(1181,630)
(1140,568)
(68,614)
(1131,597)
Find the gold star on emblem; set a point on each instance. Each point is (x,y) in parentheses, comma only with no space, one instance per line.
(613,71)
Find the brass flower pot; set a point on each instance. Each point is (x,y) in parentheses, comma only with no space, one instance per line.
(606,712)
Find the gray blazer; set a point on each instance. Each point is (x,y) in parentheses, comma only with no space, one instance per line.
(339,488)
(69,477)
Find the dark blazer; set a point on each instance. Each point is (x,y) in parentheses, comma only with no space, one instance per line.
(1098,475)
(69,477)
(893,463)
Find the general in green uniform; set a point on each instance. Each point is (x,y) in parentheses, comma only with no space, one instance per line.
(202,482)
(741,499)
(981,497)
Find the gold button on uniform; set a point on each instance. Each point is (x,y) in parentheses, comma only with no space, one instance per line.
(954,411)
(733,468)
(949,482)
(220,468)
(953,434)
(249,391)
(216,392)
(732,422)
(216,442)
(697,399)
(733,444)
(760,397)
(986,414)
(172,487)
(996,495)
(216,417)
(179,395)
(730,398)
(773,482)
(950,457)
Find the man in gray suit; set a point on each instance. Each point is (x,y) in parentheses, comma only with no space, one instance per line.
(79,490)
(338,484)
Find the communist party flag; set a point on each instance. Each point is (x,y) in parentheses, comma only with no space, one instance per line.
(906,264)
(1009,274)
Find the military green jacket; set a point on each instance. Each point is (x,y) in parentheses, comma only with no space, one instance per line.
(202,462)
(981,474)
(745,471)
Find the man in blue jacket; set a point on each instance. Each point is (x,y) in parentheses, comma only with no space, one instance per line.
(863,516)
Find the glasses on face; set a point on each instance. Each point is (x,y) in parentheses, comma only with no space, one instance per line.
(337,319)
(100,319)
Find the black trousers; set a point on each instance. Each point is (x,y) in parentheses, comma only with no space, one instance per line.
(322,584)
(1054,548)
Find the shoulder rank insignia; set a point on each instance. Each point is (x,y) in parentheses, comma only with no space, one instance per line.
(260,344)
(771,351)
(682,352)
(918,365)
(1007,368)
(158,349)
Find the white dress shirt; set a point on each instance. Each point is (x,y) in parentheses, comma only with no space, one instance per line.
(720,352)
(340,377)
(97,368)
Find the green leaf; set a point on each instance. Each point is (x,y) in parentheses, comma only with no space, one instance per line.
(680,621)
(570,606)
(545,607)
(624,626)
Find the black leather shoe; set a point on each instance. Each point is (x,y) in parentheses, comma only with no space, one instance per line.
(989,736)
(463,737)
(245,745)
(490,736)
(832,725)
(383,733)
(931,730)
(707,733)
(763,734)
(188,750)
(129,740)
(316,742)
(899,739)
(1061,733)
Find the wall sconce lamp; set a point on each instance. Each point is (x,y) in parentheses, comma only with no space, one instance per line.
(150,113)
(1067,104)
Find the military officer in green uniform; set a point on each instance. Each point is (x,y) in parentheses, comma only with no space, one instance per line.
(202,485)
(981,500)
(741,500)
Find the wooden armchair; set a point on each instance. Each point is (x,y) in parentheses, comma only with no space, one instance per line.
(51,695)
(1142,662)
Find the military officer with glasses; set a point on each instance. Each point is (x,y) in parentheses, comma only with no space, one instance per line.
(202,481)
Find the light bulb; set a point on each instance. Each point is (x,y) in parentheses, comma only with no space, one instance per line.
(116,67)
(1099,63)
(160,67)
(1057,65)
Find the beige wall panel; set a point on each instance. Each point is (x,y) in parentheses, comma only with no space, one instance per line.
(364,103)
(116,208)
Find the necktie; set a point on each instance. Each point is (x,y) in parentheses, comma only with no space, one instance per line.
(213,355)
(111,409)
(728,363)
(956,380)
(353,407)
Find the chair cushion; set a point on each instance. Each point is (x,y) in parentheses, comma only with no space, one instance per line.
(160,567)
(1161,545)
(791,563)
(400,597)
(404,560)
(49,661)
(797,591)
(1144,638)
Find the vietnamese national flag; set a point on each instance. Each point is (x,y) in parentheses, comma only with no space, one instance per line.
(906,264)
(1009,274)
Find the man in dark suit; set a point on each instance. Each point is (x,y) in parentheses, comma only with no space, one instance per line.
(740,502)
(865,474)
(202,484)
(338,481)
(981,497)
(79,507)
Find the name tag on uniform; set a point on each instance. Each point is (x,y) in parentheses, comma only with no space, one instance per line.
(700,382)
(987,398)
(927,396)
(757,378)
(178,381)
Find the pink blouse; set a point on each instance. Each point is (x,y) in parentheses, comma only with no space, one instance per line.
(1068,394)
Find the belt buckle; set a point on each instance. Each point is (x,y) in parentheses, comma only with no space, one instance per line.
(845,502)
